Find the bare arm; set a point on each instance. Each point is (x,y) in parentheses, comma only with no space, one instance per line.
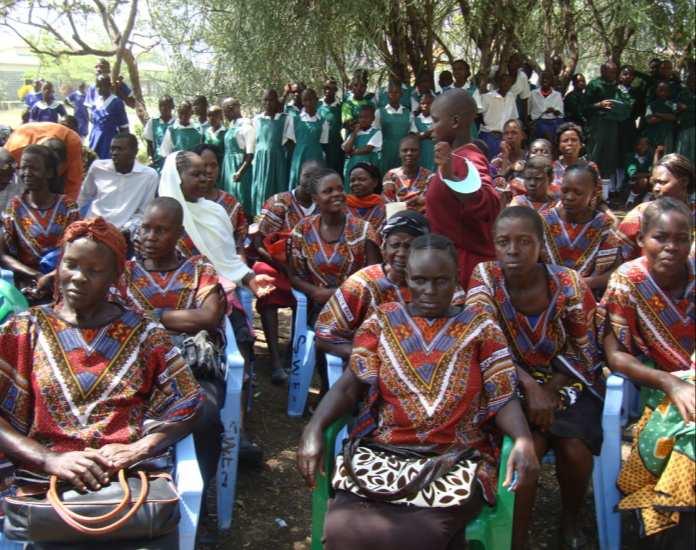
(340,350)
(523,460)
(13,264)
(207,317)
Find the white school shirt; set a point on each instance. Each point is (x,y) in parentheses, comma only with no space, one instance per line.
(305,117)
(389,109)
(375,141)
(538,104)
(119,198)
(148,132)
(246,136)
(167,145)
(521,86)
(497,110)
(288,127)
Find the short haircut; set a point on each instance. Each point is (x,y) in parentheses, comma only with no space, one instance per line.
(132,140)
(582,167)
(460,62)
(368,107)
(522,213)
(540,163)
(170,205)
(198,149)
(320,175)
(409,137)
(433,241)
(660,206)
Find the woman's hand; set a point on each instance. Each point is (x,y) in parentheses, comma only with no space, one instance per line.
(88,469)
(541,404)
(261,285)
(522,464)
(309,455)
(122,456)
(683,395)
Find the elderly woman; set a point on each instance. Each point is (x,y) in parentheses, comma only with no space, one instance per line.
(95,387)
(430,375)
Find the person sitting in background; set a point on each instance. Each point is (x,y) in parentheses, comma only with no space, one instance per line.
(409,182)
(648,321)
(365,198)
(103,388)
(537,175)
(118,189)
(34,223)
(47,109)
(637,170)
(541,147)
(458,361)
(509,163)
(546,108)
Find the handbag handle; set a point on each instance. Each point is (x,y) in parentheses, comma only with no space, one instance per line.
(77,521)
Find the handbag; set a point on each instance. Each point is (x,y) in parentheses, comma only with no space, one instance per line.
(406,475)
(136,505)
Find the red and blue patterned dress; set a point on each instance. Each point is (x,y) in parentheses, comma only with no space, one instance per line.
(30,232)
(234,210)
(370,208)
(434,381)
(399,187)
(560,339)
(541,207)
(590,248)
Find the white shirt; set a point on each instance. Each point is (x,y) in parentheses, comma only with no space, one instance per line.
(538,104)
(497,110)
(167,145)
(148,132)
(305,117)
(245,136)
(389,109)
(375,141)
(521,86)
(288,128)
(119,198)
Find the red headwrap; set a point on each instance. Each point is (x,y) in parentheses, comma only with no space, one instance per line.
(101,231)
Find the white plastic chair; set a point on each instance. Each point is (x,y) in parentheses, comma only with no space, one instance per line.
(303,358)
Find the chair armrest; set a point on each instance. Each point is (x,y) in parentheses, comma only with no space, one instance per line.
(188,475)
(246,297)
(334,368)
(234,362)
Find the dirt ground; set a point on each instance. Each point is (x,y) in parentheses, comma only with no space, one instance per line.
(276,491)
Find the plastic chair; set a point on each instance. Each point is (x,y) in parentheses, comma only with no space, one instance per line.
(189,484)
(303,358)
(11,300)
(7,275)
(622,400)
(491,530)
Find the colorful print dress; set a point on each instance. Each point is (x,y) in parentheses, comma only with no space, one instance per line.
(541,207)
(236,213)
(659,476)
(434,381)
(560,339)
(398,187)
(30,232)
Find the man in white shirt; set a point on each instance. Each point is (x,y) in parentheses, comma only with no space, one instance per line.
(546,109)
(119,188)
(496,108)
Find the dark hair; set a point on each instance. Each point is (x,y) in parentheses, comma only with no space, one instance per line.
(372,170)
(574,78)
(545,141)
(57,147)
(200,99)
(132,140)
(70,122)
(183,160)
(680,167)
(166,98)
(540,163)
(582,167)
(50,161)
(185,103)
(314,168)
(568,127)
(433,241)
(660,206)
(522,213)
(367,107)
(198,149)
(320,175)
(169,204)
(461,62)
(483,147)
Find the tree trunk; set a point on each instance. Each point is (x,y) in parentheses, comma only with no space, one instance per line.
(134,75)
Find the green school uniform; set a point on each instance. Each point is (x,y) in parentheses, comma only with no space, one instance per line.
(574,107)
(427,146)
(603,144)
(185,138)
(627,128)
(361,140)
(350,109)
(395,126)
(383,99)
(159,127)
(307,144)
(270,160)
(661,133)
(686,140)
(216,138)
(638,165)
(231,161)
(334,153)
(202,127)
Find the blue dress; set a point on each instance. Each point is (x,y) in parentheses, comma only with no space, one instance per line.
(107,120)
(41,112)
(78,100)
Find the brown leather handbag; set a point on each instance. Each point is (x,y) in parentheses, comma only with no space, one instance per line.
(137,506)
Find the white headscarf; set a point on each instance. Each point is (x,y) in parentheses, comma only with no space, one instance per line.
(208,225)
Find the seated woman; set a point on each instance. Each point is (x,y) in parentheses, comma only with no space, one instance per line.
(509,163)
(540,147)
(672,176)
(279,215)
(577,235)
(432,377)
(537,176)
(409,182)
(328,247)
(184,295)
(102,387)
(34,223)
(365,199)
(648,320)
(547,315)
(210,155)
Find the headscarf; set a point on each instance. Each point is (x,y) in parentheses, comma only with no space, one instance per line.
(207,224)
(406,221)
(101,231)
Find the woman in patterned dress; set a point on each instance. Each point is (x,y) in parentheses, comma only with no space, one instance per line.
(34,222)
(326,248)
(95,387)
(409,182)
(577,235)
(365,199)
(537,175)
(648,320)
(430,375)
(547,315)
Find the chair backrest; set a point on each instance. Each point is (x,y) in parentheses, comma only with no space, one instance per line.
(11,300)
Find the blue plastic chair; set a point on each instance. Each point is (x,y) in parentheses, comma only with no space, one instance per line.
(7,275)
(622,400)
(303,358)
(334,367)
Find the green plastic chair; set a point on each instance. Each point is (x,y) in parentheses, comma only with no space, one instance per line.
(491,530)
(11,300)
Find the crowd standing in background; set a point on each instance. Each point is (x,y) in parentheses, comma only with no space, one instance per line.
(481,259)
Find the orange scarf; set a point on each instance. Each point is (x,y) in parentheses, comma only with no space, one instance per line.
(363,202)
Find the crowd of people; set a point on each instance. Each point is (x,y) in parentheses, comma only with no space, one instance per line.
(464,250)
